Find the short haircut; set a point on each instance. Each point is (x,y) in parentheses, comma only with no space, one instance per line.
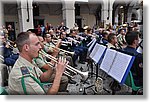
(104,33)
(131,36)
(22,38)
(46,35)
(111,36)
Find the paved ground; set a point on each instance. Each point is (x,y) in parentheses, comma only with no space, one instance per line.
(103,89)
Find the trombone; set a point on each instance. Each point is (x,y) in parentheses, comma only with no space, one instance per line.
(84,75)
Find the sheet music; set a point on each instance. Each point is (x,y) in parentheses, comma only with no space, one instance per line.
(108,60)
(93,42)
(97,52)
(120,66)
(95,49)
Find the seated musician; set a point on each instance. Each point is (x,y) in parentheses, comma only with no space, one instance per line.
(9,57)
(112,41)
(42,64)
(132,39)
(67,44)
(121,38)
(88,34)
(50,47)
(29,47)
(80,51)
(105,37)
(48,44)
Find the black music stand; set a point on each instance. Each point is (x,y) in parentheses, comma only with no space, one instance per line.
(96,75)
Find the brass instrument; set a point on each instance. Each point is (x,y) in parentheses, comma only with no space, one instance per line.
(82,38)
(63,42)
(72,53)
(76,41)
(10,44)
(10,41)
(66,73)
(84,75)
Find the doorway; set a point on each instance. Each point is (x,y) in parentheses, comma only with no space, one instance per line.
(38,22)
(79,23)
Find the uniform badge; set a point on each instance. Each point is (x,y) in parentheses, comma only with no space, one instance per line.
(24,70)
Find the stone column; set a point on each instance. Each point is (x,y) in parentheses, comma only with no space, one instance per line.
(25,14)
(129,14)
(107,12)
(1,14)
(69,13)
(139,11)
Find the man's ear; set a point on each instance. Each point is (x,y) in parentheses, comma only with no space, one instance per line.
(134,42)
(26,47)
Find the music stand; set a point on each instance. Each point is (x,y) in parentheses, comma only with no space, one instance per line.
(96,75)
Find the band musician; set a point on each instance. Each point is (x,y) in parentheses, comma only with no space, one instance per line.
(29,47)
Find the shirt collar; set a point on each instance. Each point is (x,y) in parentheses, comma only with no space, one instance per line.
(26,62)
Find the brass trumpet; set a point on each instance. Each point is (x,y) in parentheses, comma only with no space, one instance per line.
(72,53)
(63,42)
(66,73)
(84,75)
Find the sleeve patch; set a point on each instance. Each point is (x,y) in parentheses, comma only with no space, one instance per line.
(24,70)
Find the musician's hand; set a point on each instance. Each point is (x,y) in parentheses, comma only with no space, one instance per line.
(7,46)
(62,63)
(55,51)
(59,42)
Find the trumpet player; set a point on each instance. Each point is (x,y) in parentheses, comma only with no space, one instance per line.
(42,64)
(49,44)
(80,51)
(29,47)
(51,48)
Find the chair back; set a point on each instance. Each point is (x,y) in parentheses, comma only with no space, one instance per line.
(130,82)
(3,91)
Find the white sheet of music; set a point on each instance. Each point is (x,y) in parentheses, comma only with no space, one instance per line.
(95,49)
(120,65)
(93,42)
(97,52)
(115,64)
(108,60)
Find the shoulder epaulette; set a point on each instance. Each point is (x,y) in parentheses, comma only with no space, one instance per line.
(24,70)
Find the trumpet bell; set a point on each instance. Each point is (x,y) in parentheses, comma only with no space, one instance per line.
(84,75)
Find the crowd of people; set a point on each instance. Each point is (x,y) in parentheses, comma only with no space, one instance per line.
(57,42)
